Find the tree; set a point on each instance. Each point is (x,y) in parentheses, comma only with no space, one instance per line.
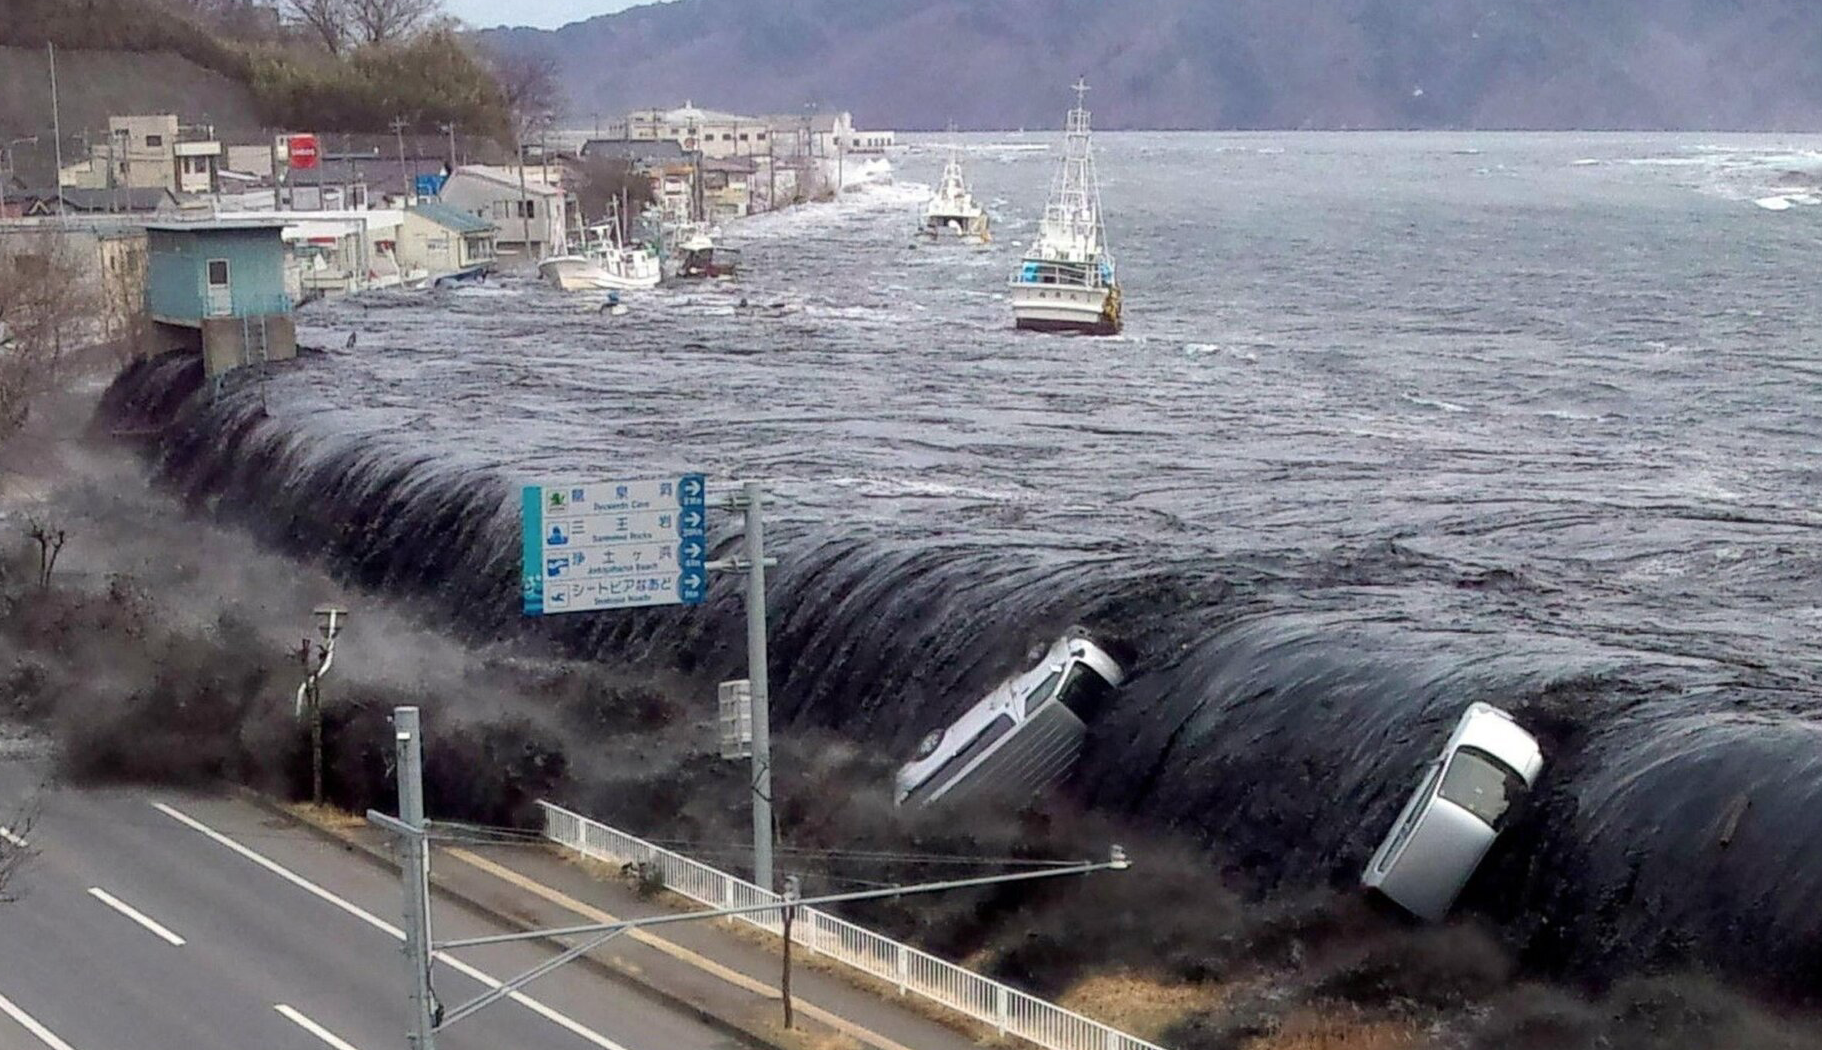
(383,21)
(528,84)
(604,180)
(329,21)
(47,308)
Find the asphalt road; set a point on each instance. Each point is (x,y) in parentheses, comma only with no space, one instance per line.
(153,920)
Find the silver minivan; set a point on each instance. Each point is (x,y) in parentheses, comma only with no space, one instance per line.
(1459,808)
(1020,738)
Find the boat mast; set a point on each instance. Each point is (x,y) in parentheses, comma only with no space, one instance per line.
(1074,213)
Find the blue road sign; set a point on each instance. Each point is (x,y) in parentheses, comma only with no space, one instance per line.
(614,544)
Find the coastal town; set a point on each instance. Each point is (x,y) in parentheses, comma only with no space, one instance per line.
(280,219)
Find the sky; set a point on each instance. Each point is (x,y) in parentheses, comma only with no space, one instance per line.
(545,14)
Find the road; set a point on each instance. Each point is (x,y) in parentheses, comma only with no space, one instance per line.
(159,920)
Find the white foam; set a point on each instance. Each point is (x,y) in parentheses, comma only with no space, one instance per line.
(1779,203)
(1430,402)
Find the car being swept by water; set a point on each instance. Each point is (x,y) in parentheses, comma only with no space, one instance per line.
(1459,808)
(1020,738)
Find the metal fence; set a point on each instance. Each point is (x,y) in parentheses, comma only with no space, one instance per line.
(1008,1010)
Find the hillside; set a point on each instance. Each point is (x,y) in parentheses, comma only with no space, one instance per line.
(138,56)
(92,83)
(1647,64)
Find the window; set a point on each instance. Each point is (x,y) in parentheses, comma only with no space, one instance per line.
(743,136)
(1482,785)
(1036,698)
(218,273)
(154,141)
(728,136)
(1085,692)
(762,136)
(958,762)
(527,209)
(1415,809)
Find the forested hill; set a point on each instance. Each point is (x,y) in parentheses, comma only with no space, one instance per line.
(1648,64)
(168,56)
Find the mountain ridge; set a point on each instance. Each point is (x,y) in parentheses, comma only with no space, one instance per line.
(1189,64)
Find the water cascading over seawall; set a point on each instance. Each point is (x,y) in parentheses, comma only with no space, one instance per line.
(1680,817)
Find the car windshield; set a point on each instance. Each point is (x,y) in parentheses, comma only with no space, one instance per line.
(1085,693)
(1481,784)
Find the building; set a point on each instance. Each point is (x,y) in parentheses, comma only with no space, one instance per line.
(109,254)
(530,216)
(709,132)
(727,187)
(336,252)
(149,200)
(640,153)
(156,151)
(217,287)
(442,241)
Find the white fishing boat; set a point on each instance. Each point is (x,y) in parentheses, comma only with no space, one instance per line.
(954,209)
(604,262)
(1066,282)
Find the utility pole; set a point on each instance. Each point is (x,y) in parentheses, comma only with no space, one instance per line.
(56,126)
(524,211)
(329,622)
(449,129)
(753,495)
(792,891)
(398,130)
(415,875)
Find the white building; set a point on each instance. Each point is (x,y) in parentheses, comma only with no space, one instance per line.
(531,216)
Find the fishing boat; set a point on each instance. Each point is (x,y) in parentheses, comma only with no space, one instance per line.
(605,261)
(954,209)
(698,256)
(1066,281)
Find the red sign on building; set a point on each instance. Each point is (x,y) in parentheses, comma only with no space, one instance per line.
(302,150)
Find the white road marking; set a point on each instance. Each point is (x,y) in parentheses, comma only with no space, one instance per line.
(313,1028)
(136,915)
(45,1035)
(9,835)
(561,1020)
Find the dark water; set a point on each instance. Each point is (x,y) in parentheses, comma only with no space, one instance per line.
(1400,422)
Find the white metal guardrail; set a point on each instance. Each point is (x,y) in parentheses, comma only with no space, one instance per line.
(1008,1010)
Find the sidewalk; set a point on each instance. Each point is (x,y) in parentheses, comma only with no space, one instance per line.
(703,966)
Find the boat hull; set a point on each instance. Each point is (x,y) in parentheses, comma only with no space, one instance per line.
(1061,308)
(588,275)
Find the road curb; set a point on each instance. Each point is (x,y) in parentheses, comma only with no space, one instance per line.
(758,1040)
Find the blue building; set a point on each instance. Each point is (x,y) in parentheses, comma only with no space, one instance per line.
(217,287)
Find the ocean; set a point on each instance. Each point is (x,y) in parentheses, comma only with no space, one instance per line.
(1398,422)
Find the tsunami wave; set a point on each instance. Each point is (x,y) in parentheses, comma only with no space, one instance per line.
(1679,818)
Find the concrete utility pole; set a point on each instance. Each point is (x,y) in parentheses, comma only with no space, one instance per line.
(753,496)
(449,129)
(524,211)
(56,126)
(398,130)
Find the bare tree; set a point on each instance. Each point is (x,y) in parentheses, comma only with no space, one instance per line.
(330,21)
(528,84)
(15,842)
(382,21)
(604,181)
(47,308)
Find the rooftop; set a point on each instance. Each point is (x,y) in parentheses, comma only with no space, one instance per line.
(451,218)
(215,225)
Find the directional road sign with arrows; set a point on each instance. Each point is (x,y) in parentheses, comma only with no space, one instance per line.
(592,545)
